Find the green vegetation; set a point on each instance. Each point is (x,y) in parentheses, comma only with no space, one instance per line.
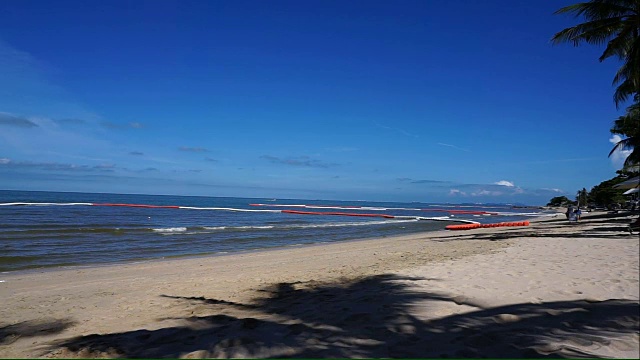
(604,193)
(629,125)
(582,197)
(615,23)
(559,201)
(600,195)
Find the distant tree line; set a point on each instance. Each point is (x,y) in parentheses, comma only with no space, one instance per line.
(602,194)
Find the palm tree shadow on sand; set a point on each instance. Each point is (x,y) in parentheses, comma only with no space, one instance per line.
(10,333)
(371,317)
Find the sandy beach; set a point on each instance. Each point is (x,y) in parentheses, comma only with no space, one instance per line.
(549,289)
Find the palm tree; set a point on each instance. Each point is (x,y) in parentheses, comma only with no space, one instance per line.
(582,197)
(629,125)
(616,22)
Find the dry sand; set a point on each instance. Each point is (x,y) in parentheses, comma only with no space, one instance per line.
(550,289)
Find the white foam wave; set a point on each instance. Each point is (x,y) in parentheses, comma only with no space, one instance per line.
(171,230)
(237,227)
(214,229)
(467,206)
(367,208)
(337,207)
(226,209)
(446,218)
(520,214)
(361,223)
(311,226)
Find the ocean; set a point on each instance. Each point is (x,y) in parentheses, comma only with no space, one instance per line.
(61,229)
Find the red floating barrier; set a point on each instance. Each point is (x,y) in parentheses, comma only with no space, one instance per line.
(460,212)
(462,227)
(336,213)
(475,226)
(335,206)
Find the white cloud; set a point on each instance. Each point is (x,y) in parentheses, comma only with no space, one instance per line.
(500,191)
(453,146)
(504,183)
(4,161)
(457,192)
(486,192)
(619,156)
(615,139)
(553,190)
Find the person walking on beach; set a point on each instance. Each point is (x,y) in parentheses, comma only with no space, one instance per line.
(578,213)
(569,212)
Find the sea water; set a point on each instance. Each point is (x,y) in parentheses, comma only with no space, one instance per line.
(63,229)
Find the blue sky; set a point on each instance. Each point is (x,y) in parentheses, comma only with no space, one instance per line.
(436,101)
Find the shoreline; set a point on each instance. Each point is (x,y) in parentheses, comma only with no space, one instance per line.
(55,268)
(213,255)
(209,304)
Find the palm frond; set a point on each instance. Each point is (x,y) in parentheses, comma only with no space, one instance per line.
(629,124)
(616,23)
(592,32)
(628,75)
(633,159)
(622,93)
(620,126)
(598,9)
(619,46)
(624,144)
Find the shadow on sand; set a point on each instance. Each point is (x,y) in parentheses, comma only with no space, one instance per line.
(11,333)
(370,317)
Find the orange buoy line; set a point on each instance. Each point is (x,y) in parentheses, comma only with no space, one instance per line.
(345,207)
(470,212)
(476,226)
(468,223)
(336,213)
(336,206)
(281,211)
(350,207)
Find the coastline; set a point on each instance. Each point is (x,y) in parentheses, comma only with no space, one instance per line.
(52,313)
(42,269)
